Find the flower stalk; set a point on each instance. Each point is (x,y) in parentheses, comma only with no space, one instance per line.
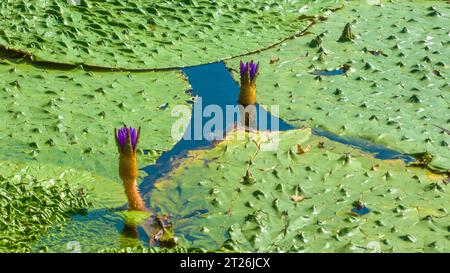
(127,140)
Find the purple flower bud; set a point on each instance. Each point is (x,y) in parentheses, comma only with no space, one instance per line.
(125,133)
(249,69)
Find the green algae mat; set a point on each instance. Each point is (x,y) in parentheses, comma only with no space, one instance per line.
(149,34)
(298,198)
(70,115)
(35,199)
(396,92)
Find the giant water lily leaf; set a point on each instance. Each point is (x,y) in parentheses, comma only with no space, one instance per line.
(142,34)
(68,117)
(238,196)
(396,90)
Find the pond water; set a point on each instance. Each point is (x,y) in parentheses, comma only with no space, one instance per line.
(214,84)
(335,72)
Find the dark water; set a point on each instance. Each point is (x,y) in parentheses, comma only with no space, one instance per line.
(329,72)
(214,84)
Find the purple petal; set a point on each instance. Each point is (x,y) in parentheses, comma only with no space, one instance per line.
(122,137)
(249,67)
(243,68)
(133,137)
(252,70)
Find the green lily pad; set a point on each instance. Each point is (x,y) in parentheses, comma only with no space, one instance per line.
(70,115)
(395,92)
(141,249)
(213,206)
(143,35)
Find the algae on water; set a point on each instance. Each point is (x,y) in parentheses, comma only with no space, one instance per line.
(34,200)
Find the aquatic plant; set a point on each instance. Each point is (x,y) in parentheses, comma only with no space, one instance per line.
(143,249)
(247,199)
(395,90)
(149,34)
(80,140)
(127,140)
(35,199)
(249,72)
